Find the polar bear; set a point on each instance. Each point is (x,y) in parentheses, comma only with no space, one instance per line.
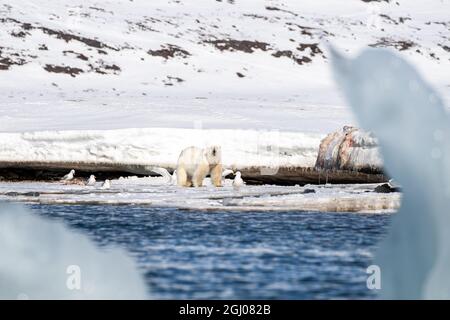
(194,164)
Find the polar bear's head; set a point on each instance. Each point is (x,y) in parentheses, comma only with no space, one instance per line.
(213,154)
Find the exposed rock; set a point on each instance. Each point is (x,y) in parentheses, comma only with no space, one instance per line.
(386,188)
(239,45)
(400,45)
(77,54)
(63,69)
(169,51)
(9,59)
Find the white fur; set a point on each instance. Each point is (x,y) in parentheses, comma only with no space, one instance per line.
(194,164)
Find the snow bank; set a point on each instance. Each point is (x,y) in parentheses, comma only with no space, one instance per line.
(407,115)
(38,258)
(138,150)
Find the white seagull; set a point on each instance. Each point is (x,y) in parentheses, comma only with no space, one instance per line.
(91,180)
(106,184)
(69,176)
(173,179)
(238,182)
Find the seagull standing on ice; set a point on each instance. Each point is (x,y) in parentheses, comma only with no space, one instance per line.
(91,180)
(106,184)
(238,182)
(69,176)
(173,179)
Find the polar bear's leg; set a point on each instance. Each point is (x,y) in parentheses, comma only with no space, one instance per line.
(182,178)
(216,175)
(199,174)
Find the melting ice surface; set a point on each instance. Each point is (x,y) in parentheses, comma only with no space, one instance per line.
(408,117)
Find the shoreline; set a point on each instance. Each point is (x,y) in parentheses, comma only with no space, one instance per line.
(155,192)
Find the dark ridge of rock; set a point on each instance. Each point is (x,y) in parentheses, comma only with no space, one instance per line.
(55,174)
(6,62)
(297,175)
(103,68)
(26,194)
(400,45)
(403,19)
(240,75)
(386,188)
(60,34)
(142,25)
(112,67)
(77,54)
(169,51)
(101,10)
(43,47)
(281,10)
(10,59)
(27,26)
(314,47)
(71,37)
(38,171)
(19,34)
(303,60)
(446,48)
(436,22)
(171,80)
(309,31)
(283,53)
(289,54)
(390,19)
(239,45)
(255,16)
(73,72)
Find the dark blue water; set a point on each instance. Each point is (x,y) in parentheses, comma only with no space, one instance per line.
(276,255)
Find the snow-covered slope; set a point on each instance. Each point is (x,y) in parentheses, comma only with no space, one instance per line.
(229,64)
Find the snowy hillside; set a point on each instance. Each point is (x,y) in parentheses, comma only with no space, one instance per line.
(249,65)
(258,64)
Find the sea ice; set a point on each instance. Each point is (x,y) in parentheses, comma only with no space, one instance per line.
(39,259)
